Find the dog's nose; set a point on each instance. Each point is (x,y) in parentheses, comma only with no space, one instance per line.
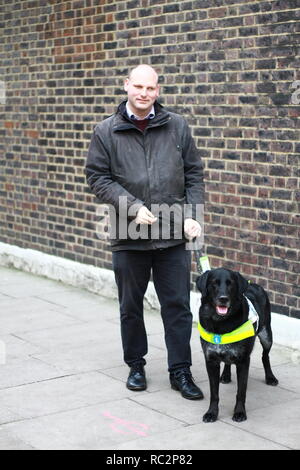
(223,299)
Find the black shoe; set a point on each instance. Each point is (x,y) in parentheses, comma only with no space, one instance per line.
(137,380)
(183,381)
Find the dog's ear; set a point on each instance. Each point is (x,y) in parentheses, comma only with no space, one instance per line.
(242,283)
(201,283)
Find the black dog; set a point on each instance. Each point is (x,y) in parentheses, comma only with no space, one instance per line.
(227,334)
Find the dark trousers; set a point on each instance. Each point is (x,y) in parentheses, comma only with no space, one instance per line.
(171,276)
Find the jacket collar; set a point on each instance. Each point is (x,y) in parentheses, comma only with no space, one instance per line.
(133,117)
(122,121)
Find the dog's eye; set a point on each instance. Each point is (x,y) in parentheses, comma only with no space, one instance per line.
(228,282)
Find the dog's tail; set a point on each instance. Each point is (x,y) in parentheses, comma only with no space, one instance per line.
(268,308)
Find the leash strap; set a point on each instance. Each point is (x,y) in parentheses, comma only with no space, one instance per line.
(203,264)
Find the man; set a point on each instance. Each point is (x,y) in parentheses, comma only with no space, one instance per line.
(145,156)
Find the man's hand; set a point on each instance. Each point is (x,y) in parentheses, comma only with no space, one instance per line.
(144,216)
(192,229)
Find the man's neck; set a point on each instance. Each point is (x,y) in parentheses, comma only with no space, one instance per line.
(138,115)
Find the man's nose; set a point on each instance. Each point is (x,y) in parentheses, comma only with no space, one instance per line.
(144,92)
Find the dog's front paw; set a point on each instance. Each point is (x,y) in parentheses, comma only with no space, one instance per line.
(239,416)
(272,381)
(210,417)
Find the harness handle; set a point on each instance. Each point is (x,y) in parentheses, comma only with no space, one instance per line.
(202,262)
(198,255)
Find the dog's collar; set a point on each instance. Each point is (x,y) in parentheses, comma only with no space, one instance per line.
(242,332)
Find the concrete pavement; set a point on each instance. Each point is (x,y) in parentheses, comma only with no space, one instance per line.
(62,381)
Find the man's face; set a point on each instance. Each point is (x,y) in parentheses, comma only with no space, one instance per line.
(142,90)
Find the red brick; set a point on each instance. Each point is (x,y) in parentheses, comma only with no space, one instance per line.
(9,125)
(217,13)
(33,134)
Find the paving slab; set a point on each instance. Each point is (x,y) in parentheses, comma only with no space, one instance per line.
(17,349)
(29,314)
(93,427)
(80,304)
(28,371)
(287,374)
(157,373)
(23,285)
(216,436)
(62,381)
(75,335)
(279,423)
(10,442)
(60,394)
(259,396)
(90,357)
(7,416)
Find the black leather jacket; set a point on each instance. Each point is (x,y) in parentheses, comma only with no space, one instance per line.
(158,166)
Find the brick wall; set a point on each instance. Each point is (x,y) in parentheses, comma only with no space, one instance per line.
(227,65)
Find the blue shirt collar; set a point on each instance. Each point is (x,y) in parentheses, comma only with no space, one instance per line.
(133,117)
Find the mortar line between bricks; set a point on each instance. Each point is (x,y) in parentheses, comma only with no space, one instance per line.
(88,126)
(217,116)
(236,138)
(196,20)
(163,85)
(133,48)
(252,36)
(224,40)
(208,30)
(175,84)
(167,14)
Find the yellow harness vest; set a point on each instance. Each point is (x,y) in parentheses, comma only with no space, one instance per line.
(243,332)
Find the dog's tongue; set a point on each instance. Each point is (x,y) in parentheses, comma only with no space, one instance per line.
(222,310)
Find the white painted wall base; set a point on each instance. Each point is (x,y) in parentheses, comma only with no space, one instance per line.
(286,331)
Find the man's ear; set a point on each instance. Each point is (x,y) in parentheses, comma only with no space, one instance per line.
(242,283)
(126,84)
(201,283)
(158,91)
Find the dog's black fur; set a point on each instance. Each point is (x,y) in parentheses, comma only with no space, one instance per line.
(223,309)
